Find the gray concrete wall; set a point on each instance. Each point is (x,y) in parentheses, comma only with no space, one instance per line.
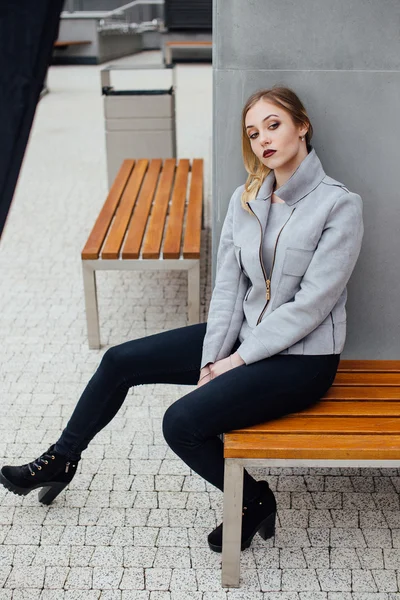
(343,60)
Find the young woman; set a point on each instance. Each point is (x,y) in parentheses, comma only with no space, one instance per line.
(276,324)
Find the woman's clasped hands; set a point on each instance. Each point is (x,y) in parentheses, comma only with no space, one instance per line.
(212,370)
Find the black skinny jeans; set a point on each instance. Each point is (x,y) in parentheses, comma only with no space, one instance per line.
(241,397)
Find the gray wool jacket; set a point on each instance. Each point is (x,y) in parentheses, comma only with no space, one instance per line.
(298,308)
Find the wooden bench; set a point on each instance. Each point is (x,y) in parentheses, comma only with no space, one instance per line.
(151,220)
(184,44)
(356,424)
(63,44)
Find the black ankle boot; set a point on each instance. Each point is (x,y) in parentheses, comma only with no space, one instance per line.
(258,515)
(51,471)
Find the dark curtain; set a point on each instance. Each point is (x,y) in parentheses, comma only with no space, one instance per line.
(28,29)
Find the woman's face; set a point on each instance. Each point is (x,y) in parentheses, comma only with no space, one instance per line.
(271,128)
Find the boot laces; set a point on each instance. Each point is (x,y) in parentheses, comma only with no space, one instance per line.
(44,458)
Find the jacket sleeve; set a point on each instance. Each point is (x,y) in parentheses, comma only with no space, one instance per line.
(324,281)
(225,314)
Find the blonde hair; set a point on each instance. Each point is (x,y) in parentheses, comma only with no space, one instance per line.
(284,98)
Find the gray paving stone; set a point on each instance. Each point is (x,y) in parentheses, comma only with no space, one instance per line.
(293,518)
(24,555)
(345,518)
(378,538)
(186,595)
(347,538)
(52,556)
(19,534)
(300,580)
(4,574)
(319,537)
(296,500)
(82,595)
(55,577)
(362,581)
(320,518)
(136,517)
(111,595)
(292,559)
(122,536)
(158,579)
(370,558)
(183,579)
(135,595)
(358,501)
(80,556)
(170,558)
(104,556)
(79,578)
(266,558)
(6,555)
(139,556)
(99,535)
(345,558)
(158,517)
(385,580)
(335,579)
(290,537)
(132,579)
(51,594)
(28,577)
(173,536)
(107,577)
(317,557)
(270,579)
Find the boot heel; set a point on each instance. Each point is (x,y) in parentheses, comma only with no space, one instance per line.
(267,529)
(48,493)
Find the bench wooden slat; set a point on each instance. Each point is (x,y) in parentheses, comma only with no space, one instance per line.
(367,379)
(363,393)
(189,43)
(192,240)
(326,424)
(172,243)
(118,228)
(312,446)
(367,408)
(139,219)
(66,43)
(155,230)
(361,366)
(97,236)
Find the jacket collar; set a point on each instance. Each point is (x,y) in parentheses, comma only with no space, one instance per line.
(306,178)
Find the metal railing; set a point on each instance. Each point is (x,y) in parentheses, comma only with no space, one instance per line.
(135,17)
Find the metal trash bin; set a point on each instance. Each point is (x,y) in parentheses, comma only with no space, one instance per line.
(139,113)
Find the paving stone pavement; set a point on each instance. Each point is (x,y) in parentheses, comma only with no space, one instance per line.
(133,523)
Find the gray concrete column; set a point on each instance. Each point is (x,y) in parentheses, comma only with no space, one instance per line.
(342,58)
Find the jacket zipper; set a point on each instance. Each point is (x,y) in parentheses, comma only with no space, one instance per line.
(268,279)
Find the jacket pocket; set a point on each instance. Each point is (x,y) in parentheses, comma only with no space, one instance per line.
(296,261)
(248,293)
(238,254)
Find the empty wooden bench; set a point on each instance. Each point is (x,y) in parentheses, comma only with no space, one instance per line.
(62,44)
(151,220)
(185,44)
(356,424)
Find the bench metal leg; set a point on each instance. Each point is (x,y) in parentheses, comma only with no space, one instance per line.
(232,530)
(92,311)
(194,294)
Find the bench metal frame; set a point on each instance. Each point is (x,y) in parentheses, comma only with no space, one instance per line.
(233,500)
(89,268)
